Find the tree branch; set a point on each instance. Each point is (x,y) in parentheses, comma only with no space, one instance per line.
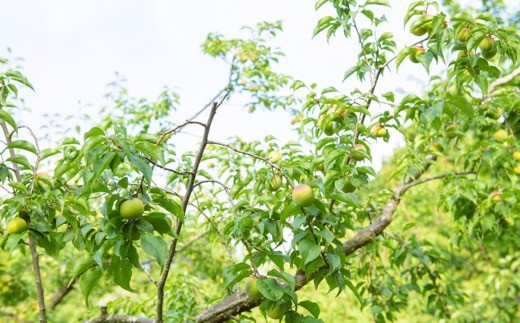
(32,244)
(503,80)
(185,202)
(104,317)
(60,294)
(273,165)
(239,302)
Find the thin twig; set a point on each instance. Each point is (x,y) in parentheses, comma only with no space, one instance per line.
(273,165)
(415,183)
(185,202)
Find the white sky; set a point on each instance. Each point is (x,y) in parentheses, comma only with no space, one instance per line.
(72,49)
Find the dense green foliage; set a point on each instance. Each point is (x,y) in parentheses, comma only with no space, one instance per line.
(433,235)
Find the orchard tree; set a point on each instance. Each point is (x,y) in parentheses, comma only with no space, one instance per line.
(213,232)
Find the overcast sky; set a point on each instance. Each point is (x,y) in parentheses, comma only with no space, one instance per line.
(72,50)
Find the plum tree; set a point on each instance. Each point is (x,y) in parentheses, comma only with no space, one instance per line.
(219,213)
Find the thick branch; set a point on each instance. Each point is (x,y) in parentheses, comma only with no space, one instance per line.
(503,80)
(60,294)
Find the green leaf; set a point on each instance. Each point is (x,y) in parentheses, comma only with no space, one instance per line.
(82,264)
(24,145)
(151,150)
(160,222)
(288,278)
(155,247)
(94,132)
(51,246)
(309,250)
(18,77)
(4,115)
(122,272)
(401,56)
(327,235)
(171,206)
(47,152)
(270,289)
(102,163)
(88,281)
(378,2)
(312,307)
(319,4)
(350,71)
(12,241)
(289,211)
(297,85)
(142,166)
(20,160)
(354,290)
(235,273)
(322,24)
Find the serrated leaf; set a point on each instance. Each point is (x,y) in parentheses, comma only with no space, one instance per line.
(20,160)
(142,166)
(4,115)
(288,278)
(102,163)
(309,250)
(155,247)
(235,273)
(319,4)
(151,150)
(47,152)
(378,2)
(172,207)
(94,132)
(88,281)
(297,85)
(270,289)
(354,290)
(312,307)
(161,224)
(82,264)
(24,145)
(401,56)
(322,24)
(121,269)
